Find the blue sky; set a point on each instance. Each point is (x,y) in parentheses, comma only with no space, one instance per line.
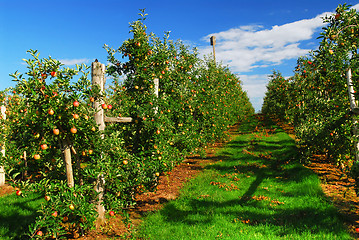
(253,37)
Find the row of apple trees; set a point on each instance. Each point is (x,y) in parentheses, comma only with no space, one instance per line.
(50,111)
(315,100)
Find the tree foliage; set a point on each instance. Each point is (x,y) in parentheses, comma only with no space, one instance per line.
(315,100)
(51,109)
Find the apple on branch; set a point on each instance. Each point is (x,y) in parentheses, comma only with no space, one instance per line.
(44,146)
(73,130)
(56,131)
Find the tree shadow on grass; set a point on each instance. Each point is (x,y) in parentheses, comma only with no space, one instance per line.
(20,213)
(281,166)
(286,221)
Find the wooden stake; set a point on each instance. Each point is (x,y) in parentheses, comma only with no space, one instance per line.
(156,81)
(100,188)
(213,43)
(353,104)
(98,78)
(25,164)
(2,170)
(354,108)
(68,164)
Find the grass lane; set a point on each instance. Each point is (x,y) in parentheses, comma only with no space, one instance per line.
(258,190)
(16,214)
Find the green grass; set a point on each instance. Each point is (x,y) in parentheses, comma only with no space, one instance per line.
(250,196)
(16,213)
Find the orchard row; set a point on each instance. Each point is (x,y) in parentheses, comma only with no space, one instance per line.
(316,99)
(50,114)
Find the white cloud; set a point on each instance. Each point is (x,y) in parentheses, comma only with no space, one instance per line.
(356,6)
(251,47)
(255,85)
(248,47)
(70,62)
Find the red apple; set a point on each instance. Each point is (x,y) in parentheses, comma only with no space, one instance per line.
(53,74)
(37,157)
(104,106)
(73,130)
(18,192)
(51,112)
(357,230)
(47,198)
(39,233)
(125,162)
(44,146)
(111,213)
(56,131)
(76,104)
(54,214)
(109,106)
(75,116)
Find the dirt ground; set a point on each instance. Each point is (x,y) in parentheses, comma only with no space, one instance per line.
(335,184)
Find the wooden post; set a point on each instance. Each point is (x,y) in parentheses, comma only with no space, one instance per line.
(100,188)
(213,43)
(354,108)
(25,164)
(2,170)
(98,78)
(156,81)
(68,164)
